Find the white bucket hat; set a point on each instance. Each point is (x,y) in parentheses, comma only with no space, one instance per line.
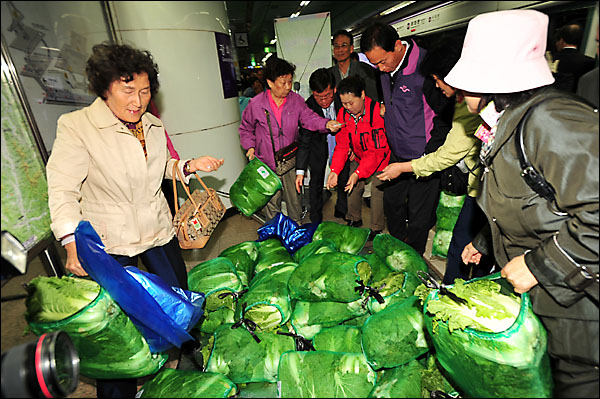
(503,52)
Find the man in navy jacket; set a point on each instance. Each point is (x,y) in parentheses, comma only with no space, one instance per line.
(314,147)
(417,120)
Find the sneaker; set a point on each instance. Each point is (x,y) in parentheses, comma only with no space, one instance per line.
(372,234)
(356,223)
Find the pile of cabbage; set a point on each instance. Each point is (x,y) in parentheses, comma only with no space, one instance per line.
(334,319)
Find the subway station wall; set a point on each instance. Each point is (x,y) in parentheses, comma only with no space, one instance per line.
(191,101)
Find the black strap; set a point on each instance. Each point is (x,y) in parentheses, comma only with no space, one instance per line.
(531,176)
(271,134)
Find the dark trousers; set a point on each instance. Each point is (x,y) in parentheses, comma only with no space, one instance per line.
(317,162)
(165,261)
(471,220)
(409,205)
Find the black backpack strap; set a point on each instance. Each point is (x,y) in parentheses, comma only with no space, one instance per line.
(371,109)
(531,176)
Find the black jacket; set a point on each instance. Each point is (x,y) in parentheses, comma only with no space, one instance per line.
(561,141)
(571,65)
(313,141)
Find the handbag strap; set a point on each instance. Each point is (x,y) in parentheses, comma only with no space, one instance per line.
(270,133)
(177,172)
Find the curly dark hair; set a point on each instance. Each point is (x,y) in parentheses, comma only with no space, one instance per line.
(276,67)
(110,62)
(352,84)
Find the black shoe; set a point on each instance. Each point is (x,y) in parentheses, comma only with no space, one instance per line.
(367,201)
(357,223)
(372,234)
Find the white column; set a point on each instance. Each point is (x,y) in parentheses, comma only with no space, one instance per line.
(180,35)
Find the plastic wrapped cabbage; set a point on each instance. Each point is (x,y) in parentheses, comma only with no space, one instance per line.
(329,277)
(447,213)
(309,318)
(271,252)
(237,355)
(495,333)
(171,383)
(400,382)
(395,336)
(214,277)
(398,255)
(254,187)
(267,301)
(339,339)
(243,257)
(315,247)
(108,344)
(324,374)
(346,238)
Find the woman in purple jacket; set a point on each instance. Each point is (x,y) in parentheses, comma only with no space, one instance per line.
(285,111)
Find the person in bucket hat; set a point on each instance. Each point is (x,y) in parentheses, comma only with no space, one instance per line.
(545,242)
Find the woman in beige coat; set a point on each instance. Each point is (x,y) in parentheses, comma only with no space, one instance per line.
(107,166)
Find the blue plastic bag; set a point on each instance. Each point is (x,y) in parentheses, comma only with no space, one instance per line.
(292,236)
(163,314)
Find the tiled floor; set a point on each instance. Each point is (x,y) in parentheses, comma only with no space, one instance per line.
(230,231)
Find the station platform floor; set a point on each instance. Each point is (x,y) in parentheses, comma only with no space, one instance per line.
(230,231)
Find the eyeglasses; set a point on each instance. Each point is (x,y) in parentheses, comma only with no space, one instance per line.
(345,45)
(323,96)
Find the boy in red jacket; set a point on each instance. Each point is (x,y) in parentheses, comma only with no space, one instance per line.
(363,142)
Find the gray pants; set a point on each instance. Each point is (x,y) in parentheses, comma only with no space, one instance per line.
(287,194)
(355,200)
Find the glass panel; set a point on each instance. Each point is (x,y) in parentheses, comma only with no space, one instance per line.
(49,43)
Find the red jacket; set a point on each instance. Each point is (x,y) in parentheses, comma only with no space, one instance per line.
(366,139)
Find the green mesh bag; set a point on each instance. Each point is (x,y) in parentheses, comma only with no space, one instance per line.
(346,238)
(267,301)
(243,256)
(400,382)
(308,318)
(379,269)
(271,252)
(107,342)
(447,213)
(315,247)
(345,339)
(394,288)
(210,321)
(395,336)
(257,390)
(329,277)
(434,378)
(213,278)
(511,363)
(236,354)
(171,383)
(398,255)
(254,187)
(324,374)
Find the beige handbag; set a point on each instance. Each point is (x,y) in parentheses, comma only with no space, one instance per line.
(198,216)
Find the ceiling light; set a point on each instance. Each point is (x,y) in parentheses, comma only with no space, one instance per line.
(273,41)
(396,7)
(304,3)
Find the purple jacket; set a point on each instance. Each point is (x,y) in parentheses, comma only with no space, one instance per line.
(254,131)
(413,111)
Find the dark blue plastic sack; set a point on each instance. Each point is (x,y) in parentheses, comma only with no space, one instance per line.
(163,314)
(292,236)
